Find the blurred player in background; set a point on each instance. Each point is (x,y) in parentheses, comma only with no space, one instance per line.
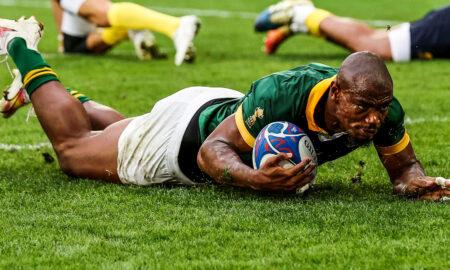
(94,26)
(426,38)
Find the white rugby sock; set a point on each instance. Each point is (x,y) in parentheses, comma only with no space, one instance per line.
(400,41)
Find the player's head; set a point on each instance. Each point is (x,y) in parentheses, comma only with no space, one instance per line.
(362,93)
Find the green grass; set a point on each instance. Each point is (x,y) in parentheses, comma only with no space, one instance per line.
(48,220)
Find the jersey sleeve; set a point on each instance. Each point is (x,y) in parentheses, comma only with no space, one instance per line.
(392,137)
(260,107)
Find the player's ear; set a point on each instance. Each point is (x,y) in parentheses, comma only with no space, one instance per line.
(334,90)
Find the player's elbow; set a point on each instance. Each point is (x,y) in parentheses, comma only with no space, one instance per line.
(202,155)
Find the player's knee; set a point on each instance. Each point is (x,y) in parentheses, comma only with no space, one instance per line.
(100,19)
(66,168)
(96,12)
(67,157)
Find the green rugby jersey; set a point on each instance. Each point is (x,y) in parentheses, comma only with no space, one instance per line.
(292,96)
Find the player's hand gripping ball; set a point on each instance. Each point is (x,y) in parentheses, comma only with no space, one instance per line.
(283,137)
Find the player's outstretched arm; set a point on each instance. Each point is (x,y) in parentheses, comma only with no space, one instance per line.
(219,158)
(409,178)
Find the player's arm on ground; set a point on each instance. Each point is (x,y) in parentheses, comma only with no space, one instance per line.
(397,155)
(408,176)
(219,158)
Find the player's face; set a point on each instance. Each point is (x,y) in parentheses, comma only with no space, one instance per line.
(361,116)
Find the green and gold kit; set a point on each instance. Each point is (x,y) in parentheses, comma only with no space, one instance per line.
(293,96)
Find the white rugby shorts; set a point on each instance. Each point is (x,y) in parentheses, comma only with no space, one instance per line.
(75,25)
(71,23)
(72,6)
(149,145)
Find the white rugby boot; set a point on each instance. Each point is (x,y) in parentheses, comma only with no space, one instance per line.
(183,39)
(28,29)
(145,45)
(14,96)
(280,14)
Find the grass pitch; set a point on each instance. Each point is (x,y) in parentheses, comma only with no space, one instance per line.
(48,220)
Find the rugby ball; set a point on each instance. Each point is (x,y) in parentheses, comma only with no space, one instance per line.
(284,137)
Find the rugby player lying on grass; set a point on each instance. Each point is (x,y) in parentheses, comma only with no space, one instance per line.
(211,130)
(95,26)
(426,38)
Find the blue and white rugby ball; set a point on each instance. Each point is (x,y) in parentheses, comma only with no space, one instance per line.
(284,137)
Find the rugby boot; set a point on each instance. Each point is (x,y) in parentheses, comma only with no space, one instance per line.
(145,45)
(279,14)
(28,29)
(274,38)
(183,39)
(14,96)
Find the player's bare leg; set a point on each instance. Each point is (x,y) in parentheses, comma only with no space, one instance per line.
(101,116)
(144,42)
(16,97)
(301,16)
(96,11)
(356,36)
(95,43)
(104,13)
(80,151)
(57,14)
(130,16)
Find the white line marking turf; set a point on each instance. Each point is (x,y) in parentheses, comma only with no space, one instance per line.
(21,147)
(420,120)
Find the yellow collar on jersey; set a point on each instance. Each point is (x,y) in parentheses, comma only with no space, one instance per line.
(314,97)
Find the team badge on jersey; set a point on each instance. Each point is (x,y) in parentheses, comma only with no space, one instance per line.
(258,114)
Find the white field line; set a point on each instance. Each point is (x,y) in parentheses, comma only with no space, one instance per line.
(53,55)
(420,120)
(21,147)
(47,145)
(181,11)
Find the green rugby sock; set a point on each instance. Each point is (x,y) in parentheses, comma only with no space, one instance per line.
(81,97)
(33,68)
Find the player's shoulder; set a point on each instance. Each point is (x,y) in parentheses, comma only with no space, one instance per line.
(295,83)
(396,114)
(393,129)
(313,70)
(300,75)
(322,69)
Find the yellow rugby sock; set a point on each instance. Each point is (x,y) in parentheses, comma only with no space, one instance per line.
(81,97)
(314,19)
(133,16)
(114,35)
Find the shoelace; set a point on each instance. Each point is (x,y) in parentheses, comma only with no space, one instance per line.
(31,112)
(5,60)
